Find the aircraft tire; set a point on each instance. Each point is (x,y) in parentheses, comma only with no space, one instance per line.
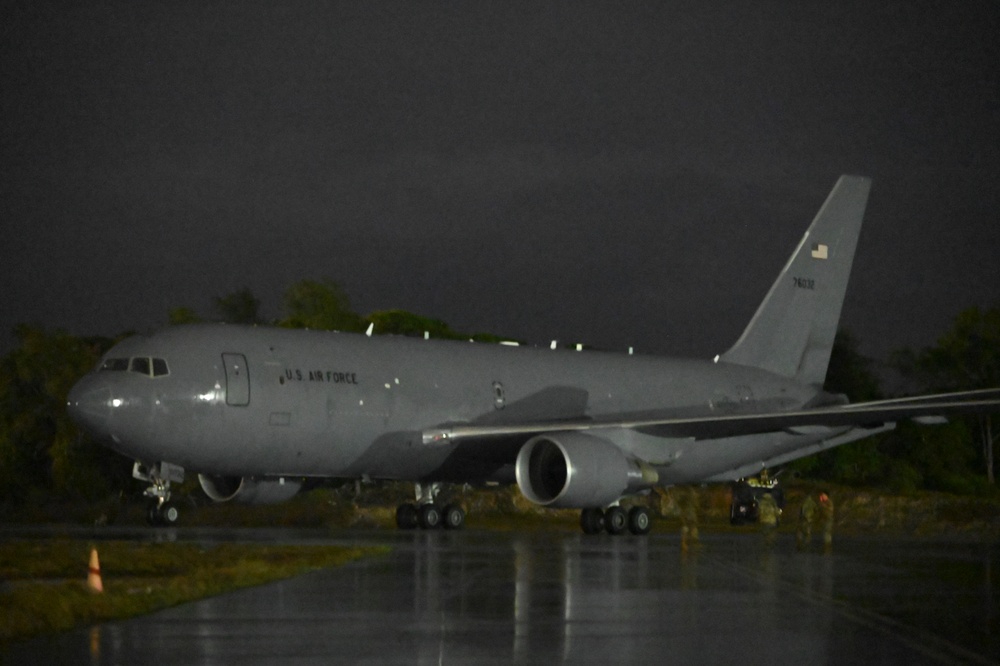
(638,521)
(407,517)
(592,521)
(169,514)
(430,516)
(153,514)
(615,520)
(454,517)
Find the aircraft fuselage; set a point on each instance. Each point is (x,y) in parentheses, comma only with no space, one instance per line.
(268,401)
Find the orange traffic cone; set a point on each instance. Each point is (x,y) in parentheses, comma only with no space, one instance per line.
(94,583)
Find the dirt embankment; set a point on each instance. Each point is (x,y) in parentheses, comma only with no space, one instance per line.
(857,510)
(867,511)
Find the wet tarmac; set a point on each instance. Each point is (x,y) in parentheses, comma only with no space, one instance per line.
(505,597)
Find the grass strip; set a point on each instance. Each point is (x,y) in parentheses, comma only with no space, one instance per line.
(45,590)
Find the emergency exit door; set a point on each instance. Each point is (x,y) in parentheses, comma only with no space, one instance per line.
(237,380)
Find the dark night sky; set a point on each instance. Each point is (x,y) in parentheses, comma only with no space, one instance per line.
(610,173)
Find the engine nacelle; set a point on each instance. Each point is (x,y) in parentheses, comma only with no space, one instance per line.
(576,470)
(248,490)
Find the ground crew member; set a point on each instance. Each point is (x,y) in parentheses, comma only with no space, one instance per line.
(767,515)
(688,501)
(826,515)
(803,535)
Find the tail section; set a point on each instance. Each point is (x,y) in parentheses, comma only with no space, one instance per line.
(792,332)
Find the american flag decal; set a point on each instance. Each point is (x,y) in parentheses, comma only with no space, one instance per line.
(820,251)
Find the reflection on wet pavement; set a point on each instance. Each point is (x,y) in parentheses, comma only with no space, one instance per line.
(498,597)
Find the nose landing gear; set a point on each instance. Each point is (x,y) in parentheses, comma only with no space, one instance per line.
(160,511)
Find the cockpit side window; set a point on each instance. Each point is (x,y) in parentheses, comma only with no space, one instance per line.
(114,365)
(160,367)
(140,364)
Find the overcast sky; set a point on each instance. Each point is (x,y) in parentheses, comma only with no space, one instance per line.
(610,173)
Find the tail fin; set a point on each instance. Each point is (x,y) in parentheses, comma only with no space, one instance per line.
(792,332)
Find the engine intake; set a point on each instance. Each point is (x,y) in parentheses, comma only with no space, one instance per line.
(576,470)
(248,490)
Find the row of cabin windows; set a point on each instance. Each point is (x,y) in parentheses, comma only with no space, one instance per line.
(144,365)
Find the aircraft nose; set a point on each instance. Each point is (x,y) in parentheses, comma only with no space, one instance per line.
(89,404)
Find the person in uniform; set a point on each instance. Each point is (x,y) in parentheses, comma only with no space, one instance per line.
(807,513)
(826,515)
(688,501)
(767,515)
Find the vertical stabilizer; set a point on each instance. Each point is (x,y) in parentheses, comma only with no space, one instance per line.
(792,332)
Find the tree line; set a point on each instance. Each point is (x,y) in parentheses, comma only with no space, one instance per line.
(44,456)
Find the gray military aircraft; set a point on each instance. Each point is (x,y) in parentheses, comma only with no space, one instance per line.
(256,410)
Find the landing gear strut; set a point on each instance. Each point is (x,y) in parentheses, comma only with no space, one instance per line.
(160,511)
(616,520)
(426,513)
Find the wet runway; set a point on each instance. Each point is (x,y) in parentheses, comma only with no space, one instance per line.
(496,598)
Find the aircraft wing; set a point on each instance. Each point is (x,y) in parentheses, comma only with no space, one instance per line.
(715,425)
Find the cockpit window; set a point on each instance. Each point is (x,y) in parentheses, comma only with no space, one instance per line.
(114,365)
(140,364)
(143,365)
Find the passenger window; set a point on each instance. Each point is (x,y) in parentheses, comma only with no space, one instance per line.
(160,367)
(114,365)
(140,364)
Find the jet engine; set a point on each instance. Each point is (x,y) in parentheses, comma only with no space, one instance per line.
(248,490)
(576,470)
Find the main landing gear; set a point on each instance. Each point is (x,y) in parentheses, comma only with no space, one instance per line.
(160,510)
(426,514)
(616,520)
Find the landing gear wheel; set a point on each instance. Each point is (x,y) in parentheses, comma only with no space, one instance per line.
(454,517)
(592,521)
(407,517)
(638,521)
(169,514)
(430,517)
(159,515)
(615,520)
